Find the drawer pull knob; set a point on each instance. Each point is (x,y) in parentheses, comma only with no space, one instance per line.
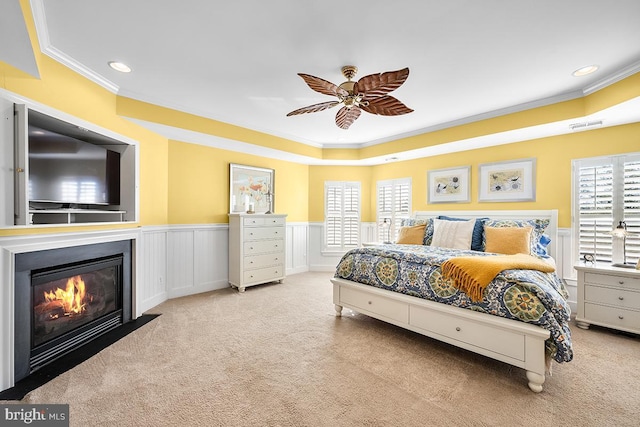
(621,282)
(621,298)
(369,303)
(620,317)
(458,328)
(250,262)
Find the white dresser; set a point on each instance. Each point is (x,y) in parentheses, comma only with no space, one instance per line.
(256,249)
(608,296)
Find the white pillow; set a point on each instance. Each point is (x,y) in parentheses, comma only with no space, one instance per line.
(452,234)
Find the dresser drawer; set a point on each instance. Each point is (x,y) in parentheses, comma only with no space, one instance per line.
(256,233)
(507,343)
(385,307)
(263,246)
(259,221)
(612,316)
(262,275)
(259,261)
(610,280)
(610,296)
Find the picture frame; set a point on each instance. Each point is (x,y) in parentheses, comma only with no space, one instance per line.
(451,185)
(509,181)
(251,189)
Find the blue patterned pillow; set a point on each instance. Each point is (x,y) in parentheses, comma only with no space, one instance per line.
(538,228)
(477,238)
(428,230)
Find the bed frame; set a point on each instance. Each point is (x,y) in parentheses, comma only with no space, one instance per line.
(510,341)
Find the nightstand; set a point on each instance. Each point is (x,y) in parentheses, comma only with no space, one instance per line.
(608,296)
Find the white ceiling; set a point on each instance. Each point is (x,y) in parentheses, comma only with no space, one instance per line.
(237,61)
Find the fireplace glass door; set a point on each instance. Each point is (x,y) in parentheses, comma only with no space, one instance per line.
(68,299)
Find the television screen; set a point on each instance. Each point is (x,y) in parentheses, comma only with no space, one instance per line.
(66,170)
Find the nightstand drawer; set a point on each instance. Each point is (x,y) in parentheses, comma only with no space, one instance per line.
(610,280)
(611,316)
(609,296)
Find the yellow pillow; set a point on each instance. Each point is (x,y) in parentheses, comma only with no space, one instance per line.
(411,235)
(508,240)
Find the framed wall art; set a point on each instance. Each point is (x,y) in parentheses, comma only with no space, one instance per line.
(511,181)
(251,189)
(448,185)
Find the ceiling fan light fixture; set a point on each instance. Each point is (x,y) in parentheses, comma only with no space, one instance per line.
(585,70)
(119,66)
(369,94)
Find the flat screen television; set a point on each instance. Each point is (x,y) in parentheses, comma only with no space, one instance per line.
(69,171)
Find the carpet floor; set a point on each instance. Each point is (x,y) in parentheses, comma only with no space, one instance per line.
(276,355)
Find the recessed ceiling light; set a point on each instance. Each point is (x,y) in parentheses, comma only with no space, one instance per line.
(585,70)
(119,66)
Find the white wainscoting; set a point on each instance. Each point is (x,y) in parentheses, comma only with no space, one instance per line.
(181,260)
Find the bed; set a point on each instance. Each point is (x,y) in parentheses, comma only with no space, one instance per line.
(405,285)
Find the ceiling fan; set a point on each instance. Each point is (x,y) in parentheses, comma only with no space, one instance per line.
(367,94)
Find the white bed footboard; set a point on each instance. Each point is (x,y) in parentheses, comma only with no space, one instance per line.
(510,341)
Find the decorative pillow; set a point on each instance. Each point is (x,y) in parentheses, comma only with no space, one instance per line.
(478,229)
(508,240)
(428,230)
(411,235)
(539,226)
(452,234)
(541,246)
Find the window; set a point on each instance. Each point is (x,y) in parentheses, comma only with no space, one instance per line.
(394,204)
(342,215)
(607,191)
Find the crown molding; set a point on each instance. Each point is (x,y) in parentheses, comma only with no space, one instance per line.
(40,20)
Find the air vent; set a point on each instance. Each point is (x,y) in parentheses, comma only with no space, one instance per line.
(585,125)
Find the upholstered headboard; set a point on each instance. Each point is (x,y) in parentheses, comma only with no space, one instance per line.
(551,215)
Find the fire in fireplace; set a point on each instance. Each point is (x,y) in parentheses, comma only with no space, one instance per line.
(67,298)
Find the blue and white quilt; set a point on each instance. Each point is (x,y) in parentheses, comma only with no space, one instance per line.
(526,295)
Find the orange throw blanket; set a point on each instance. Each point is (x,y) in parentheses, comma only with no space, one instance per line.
(472,274)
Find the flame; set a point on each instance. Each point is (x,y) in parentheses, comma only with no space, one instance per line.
(72,298)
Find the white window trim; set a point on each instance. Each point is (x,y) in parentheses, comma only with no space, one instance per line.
(617,208)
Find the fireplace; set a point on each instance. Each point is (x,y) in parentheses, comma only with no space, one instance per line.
(66,297)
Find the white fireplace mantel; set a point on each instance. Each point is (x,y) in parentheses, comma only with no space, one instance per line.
(12,245)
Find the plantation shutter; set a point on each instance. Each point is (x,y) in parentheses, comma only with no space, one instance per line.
(394,205)
(595,211)
(608,191)
(342,215)
(631,193)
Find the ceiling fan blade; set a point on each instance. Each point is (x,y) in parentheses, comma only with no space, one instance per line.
(314,108)
(386,106)
(376,85)
(323,86)
(346,116)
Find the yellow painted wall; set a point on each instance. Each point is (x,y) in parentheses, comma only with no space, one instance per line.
(199,184)
(553,160)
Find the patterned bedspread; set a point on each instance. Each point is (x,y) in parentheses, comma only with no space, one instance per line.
(525,295)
